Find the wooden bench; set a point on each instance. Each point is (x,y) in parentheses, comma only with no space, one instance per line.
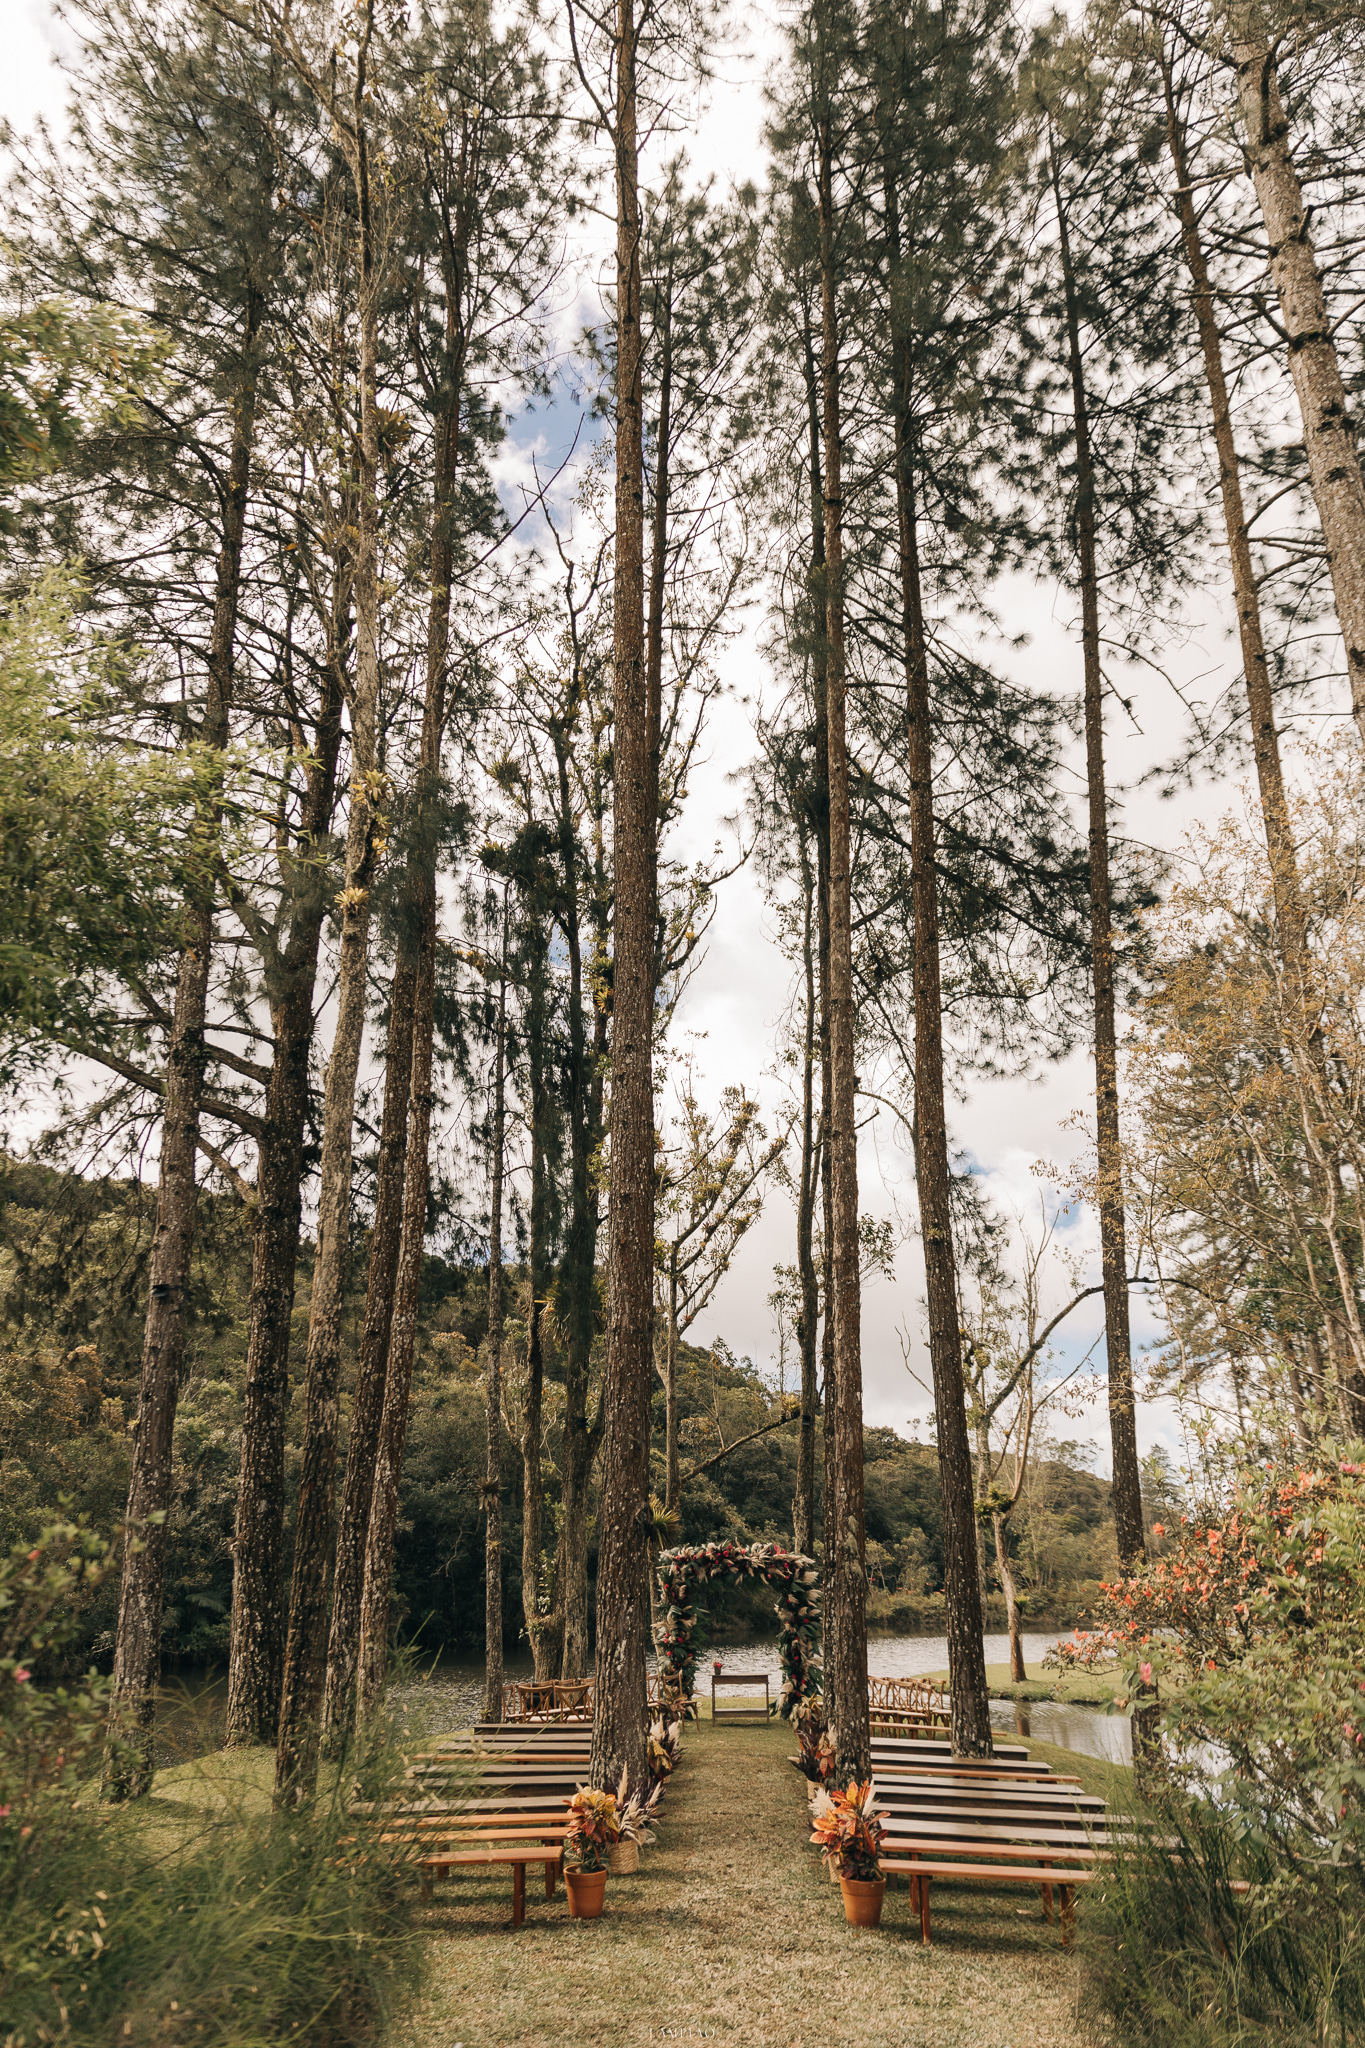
(952,1862)
(518,1856)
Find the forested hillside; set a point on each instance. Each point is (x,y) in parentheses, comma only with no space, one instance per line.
(73,1258)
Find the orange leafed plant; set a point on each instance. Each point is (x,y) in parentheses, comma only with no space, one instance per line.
(594,1828)
(849,1830)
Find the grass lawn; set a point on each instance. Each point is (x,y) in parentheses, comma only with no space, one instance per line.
(731,1932)
(1075,1688)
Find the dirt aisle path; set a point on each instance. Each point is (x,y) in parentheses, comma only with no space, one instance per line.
(731,1933)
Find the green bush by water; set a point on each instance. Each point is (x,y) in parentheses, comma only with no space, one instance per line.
(1174,1957)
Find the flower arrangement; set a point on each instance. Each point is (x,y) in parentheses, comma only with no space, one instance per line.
(815,1750)
(849,1831)
(794,1579)
(663,1749)
(635,1817)
(594,1828)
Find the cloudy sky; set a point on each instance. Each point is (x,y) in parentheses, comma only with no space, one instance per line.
(737,998)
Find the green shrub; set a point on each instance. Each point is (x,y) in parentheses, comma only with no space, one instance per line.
(257,1928)
(1173,1955)
(186,1921)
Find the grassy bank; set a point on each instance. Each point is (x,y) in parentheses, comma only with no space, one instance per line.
(732,1932)
(1075,1688)
(197,1918)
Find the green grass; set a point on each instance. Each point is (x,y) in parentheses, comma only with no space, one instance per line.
(198,1919)
(732,1930)
(1075,1688)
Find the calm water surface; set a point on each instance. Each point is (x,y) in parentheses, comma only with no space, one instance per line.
(451,1695)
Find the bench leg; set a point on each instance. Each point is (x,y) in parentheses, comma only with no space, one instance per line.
(924,1911)
(518,1893)
(1068,1913)
(549,1880)
(426,1887)
(1047,1895)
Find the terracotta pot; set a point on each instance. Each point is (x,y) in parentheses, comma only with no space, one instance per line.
(624,1859)
(863,1900)
(585,1889)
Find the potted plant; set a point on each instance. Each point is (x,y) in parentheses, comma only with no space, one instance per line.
(593,1828)
(634,1827)
(849,1832)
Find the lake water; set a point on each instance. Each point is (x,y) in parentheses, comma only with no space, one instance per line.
(451,1695)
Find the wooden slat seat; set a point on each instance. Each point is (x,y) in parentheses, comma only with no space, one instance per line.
(963,1863)
(1006,1752)
(926,1833)
(517,1856)
(897,1768)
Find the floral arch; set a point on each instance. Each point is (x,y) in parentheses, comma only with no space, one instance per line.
(795,1580)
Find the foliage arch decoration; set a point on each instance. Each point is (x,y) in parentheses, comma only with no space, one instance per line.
(684,1570)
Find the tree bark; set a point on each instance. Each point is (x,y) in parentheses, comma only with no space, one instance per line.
(137,1649)
(1127,1484)
(543,1603)
(376,1589)
(1265,738)
(846,1569)
(1000,1529)
(367,1405)
(533,1494)
(803,1505)
(619,1713)
(578,1268)
(970,1700)
(380,1534)
(1328,437)
(291,980)
(492,1488)
(671,1462)
(334,1189)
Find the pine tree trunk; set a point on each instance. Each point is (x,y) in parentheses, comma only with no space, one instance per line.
(830,1635)
(1265,739)
(803,1505)
(1127,1485)
(245,1680)
(829,1645)
(579,1450)
(576,1292)
(367,1405)
(137,1647)
(376,1590)
(492,1487)
(846,1571)
(1000,1529)
(533,1494)
(291,983)
(545,1624)
(814,1150)
(970,1710)
(672,1482)
(1328,435)
(421,885)
(619,1714)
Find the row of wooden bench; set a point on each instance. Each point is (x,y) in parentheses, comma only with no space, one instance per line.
(524,1779)
(1004,1819)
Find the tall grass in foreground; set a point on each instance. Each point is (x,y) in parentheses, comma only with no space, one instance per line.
(1173,1956)
(253,1927)
(197,1919)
